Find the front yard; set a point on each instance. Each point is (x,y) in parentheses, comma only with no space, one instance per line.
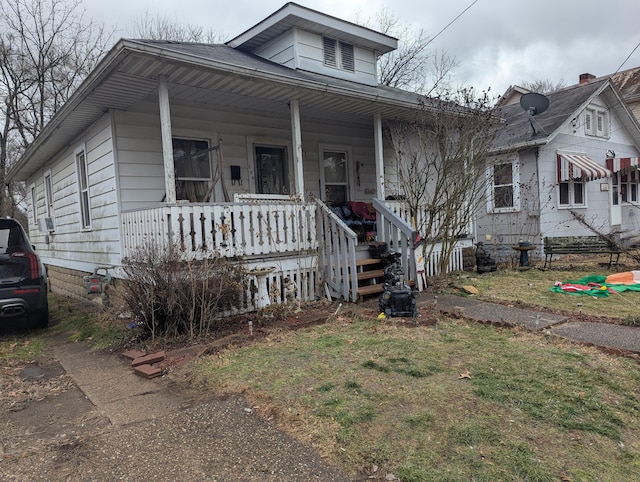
(440,399)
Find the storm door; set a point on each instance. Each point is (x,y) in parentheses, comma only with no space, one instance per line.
(272,176)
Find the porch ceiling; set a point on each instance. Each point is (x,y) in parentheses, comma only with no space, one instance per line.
(130,74)
(241,91)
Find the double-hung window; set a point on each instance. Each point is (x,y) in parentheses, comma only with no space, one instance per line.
(338,54)
(34,210)
(629,186)
(83,188)
(596,122)
(504,186)
(571,188)
(192,164)
(48,194)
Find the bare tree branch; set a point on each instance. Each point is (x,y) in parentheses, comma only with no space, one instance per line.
(47,47)
(440,167)
(159,27)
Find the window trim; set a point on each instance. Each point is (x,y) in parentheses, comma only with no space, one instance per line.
(34,205)
(47,180)
(515,183)
(84,188)
(209,157)
(322,148)
(596,121)
(571,183)
(629,187)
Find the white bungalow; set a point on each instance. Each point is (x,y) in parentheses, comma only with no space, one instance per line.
(571,170)
(232,149)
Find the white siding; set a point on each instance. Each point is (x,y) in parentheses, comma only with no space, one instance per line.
(301,49)
(280,50)
(310,57)
(70,246)
(140,150)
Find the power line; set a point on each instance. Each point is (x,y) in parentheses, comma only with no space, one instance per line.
(452,21)
(628,57)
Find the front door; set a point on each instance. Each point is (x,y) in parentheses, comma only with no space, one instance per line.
(616,201)
(272,176)
(335,176)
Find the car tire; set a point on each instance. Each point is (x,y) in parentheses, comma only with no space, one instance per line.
(41,317)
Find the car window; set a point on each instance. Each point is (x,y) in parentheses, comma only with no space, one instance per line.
(11,238)
(4,240)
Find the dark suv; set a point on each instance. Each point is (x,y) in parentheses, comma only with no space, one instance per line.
(23,279)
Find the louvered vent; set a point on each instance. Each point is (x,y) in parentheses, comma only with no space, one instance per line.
(346,57)
(329,45)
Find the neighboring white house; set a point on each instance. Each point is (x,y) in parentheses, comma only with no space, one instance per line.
(579,157)
(230,149)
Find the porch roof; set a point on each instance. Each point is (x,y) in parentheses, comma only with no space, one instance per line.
(216,75)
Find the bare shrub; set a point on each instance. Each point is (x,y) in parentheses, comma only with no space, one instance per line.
(173,297)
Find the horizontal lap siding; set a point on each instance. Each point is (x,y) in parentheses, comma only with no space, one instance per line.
(140,163)
(69,246)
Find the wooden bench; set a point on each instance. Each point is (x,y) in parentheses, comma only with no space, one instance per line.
(579,245)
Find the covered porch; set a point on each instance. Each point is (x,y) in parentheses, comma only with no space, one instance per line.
(304,242)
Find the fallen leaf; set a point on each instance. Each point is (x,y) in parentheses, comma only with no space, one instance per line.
(472,290)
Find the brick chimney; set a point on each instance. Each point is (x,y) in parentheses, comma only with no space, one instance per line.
(586,78)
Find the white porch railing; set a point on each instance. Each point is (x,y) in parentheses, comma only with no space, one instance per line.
(399,236)
(337,254)
(430,267)
(226,229)
(401,208)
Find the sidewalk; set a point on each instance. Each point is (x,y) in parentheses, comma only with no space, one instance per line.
(605,335)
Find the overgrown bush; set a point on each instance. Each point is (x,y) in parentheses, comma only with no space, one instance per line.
(172,297)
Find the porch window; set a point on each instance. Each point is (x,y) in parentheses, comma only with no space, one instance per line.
(504,186)
(83,188)
(272,176)
(193,169)
(335,171)
(338,54)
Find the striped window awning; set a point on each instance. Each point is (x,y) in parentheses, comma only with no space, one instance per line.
(620,163)
(574,166)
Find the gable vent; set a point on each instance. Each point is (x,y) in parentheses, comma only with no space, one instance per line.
(330,53)
(346,57)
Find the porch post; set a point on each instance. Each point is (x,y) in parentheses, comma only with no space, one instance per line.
(379,155)
(167,143)
(298,175)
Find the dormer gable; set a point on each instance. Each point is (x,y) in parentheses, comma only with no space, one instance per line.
(305,39)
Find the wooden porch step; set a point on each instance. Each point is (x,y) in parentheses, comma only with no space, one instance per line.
(375,289)
(370,289)
(374,273)
(369,262)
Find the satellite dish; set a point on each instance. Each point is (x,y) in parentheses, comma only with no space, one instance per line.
(534,103)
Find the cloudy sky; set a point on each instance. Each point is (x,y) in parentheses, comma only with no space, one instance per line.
(497,43)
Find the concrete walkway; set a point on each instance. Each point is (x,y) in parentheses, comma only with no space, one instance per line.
(606,335)
(154,432)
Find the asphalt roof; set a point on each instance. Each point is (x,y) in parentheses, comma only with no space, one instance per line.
(563,103)
(232,56)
